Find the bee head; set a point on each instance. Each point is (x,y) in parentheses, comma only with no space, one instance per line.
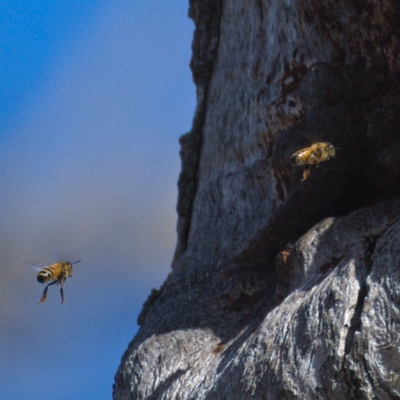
(331,149)
(70,269)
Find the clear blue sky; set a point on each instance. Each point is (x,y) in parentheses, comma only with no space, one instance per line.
(95,95)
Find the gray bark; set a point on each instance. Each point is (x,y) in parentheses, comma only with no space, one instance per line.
(282,289)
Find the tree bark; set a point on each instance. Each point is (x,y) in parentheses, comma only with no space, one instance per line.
(282,289)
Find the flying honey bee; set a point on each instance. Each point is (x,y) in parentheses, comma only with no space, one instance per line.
(57,273)
(315,154)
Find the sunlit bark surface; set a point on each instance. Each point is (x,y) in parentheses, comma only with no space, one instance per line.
(282,289)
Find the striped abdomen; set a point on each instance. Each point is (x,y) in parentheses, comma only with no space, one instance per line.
(47,274)
(302,157)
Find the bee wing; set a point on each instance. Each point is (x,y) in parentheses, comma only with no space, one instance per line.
(38,267)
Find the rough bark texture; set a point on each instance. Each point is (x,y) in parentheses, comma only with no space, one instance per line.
(283,289)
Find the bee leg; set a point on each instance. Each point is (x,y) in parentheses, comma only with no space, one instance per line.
(306,172)
(44,295)
(62,293)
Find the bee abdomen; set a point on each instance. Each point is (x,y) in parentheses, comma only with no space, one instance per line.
(298,158)
(44,276)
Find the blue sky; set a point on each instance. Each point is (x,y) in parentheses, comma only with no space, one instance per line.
(94,97)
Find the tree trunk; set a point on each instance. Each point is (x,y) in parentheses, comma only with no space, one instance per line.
(283,288)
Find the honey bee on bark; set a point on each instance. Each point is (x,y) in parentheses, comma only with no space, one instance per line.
(57,273)
(315,154)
